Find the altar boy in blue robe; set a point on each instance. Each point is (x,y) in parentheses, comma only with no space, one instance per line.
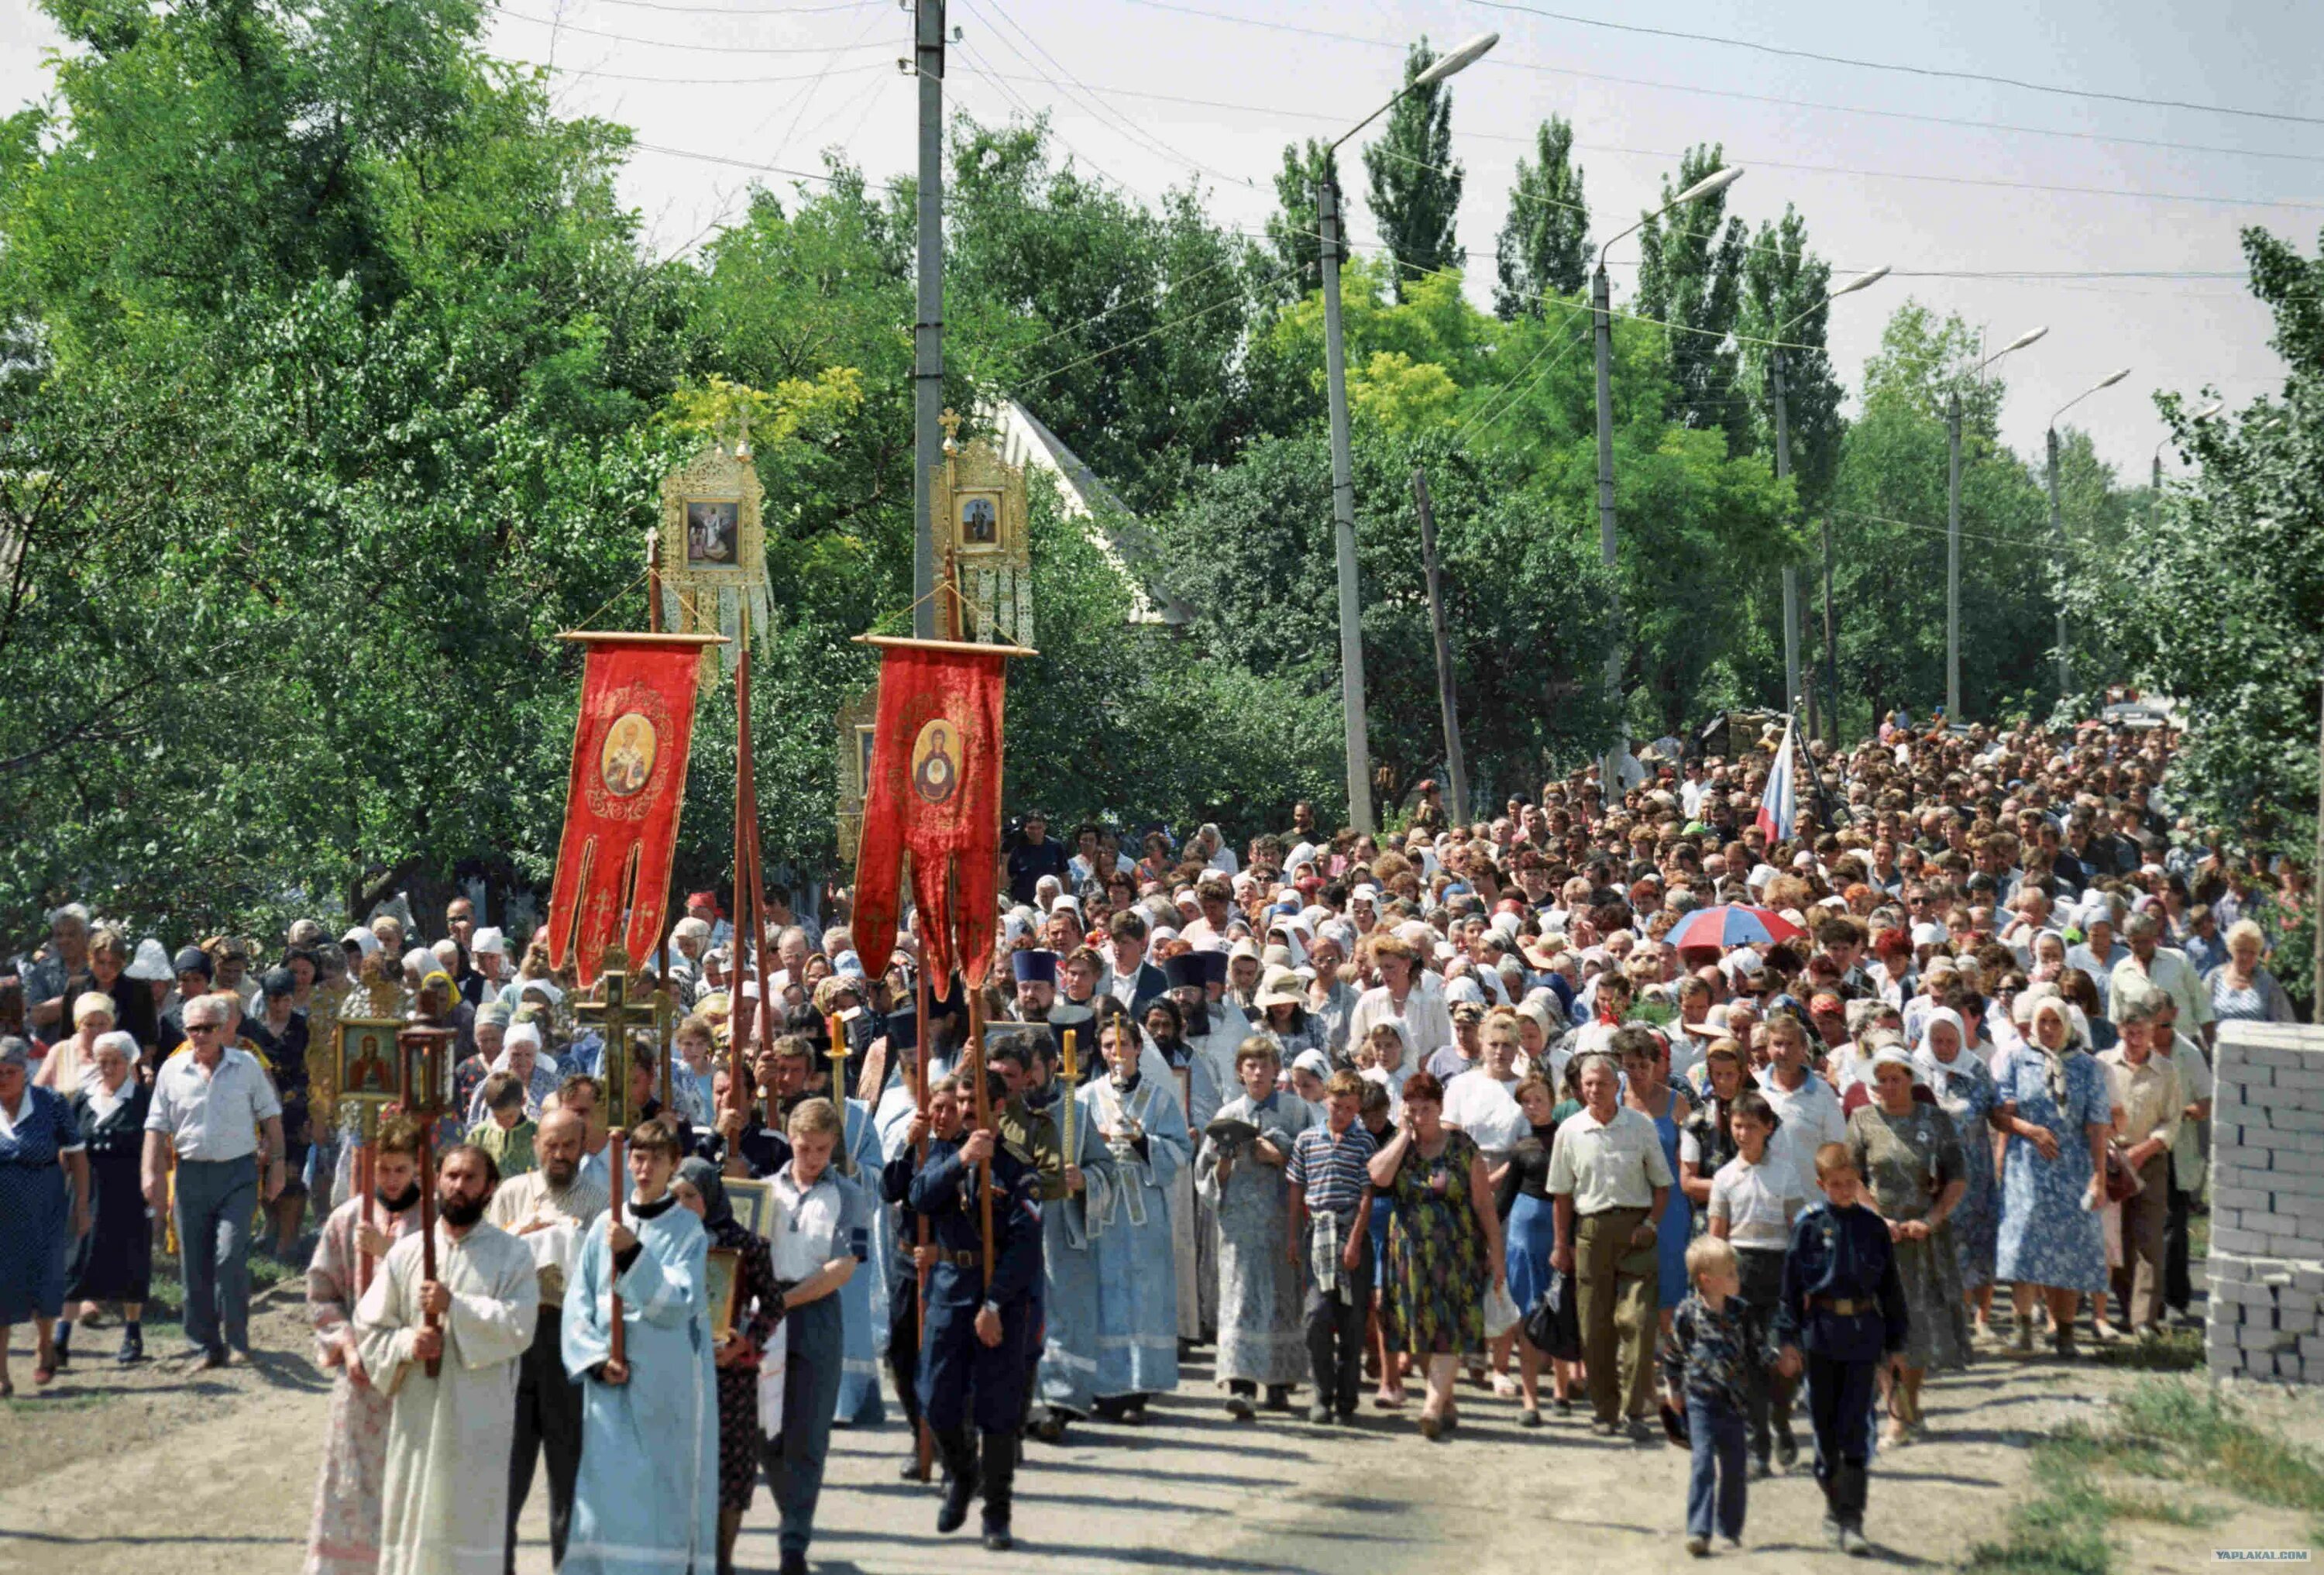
(646,1498)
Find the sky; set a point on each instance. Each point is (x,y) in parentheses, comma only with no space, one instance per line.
(1876,160)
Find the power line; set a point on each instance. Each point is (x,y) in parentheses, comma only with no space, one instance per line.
(659,44)
(749,9)
(1941,72)
(1741,158)
(1504,63)
(691,82)
(1938,530)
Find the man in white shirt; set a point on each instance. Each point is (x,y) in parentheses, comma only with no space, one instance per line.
(1610,1179)
(1805,1105)
(216,1109)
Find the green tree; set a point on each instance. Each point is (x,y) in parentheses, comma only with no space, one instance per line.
(1785,299)
(1887,506)
(2219,598)
(1121,327)
(1253,550)
(1691,277)
(1294,230)
(1415,185)
(1544,243)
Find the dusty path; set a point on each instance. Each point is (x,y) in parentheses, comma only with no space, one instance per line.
(213,1474)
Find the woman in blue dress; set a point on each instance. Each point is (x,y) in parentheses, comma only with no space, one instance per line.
(40,1150)
(1645,1069)
(2051,1098)
(1964,1090)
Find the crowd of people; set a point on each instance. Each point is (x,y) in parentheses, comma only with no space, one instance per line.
(1687,1117)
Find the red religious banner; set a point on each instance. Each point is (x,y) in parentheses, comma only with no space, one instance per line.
(933,792)
(629,747)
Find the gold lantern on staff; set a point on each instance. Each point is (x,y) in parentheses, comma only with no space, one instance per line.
(984,542)
(711,549)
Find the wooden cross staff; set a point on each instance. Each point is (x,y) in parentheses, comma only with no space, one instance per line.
(614,1016)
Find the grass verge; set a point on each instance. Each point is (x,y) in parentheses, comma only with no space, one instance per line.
(2165,1430)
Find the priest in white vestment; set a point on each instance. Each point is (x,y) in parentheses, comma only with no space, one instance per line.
(446,1508)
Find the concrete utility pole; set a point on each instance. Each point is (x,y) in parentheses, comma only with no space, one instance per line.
(927,326)
(2058,525)
(1791,571)
(1343,520)
(1343,481)
(1952,526)
(1454,766)
(1601,314)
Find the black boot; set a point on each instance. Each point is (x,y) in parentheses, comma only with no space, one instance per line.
(999,1482)
(1851,1489)
(958,1447)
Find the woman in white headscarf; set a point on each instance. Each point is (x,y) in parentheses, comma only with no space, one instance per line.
(1964,1090)
(2052,1100)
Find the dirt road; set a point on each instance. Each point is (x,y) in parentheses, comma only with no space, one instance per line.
(213,1474)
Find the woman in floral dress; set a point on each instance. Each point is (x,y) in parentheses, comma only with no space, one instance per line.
(2051,1097)
(1443,1244)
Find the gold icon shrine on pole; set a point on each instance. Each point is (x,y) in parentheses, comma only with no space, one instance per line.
(712,550)
(982,530)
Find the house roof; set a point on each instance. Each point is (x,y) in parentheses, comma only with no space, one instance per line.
(1113,527)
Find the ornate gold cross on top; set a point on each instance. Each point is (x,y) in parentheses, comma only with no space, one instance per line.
(614,1016)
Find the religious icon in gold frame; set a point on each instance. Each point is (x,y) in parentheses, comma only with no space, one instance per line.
(722,1288)
(368,1064)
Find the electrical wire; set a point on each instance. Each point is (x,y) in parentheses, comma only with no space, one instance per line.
(1502,62)
(659,44)
(690,81)
(749,9)
(1939,72)
(2048,189)
(1937,530)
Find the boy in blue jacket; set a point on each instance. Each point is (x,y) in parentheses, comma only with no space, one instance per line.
(1844,1306)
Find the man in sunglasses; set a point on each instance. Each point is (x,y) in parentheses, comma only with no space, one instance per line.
(216,1109)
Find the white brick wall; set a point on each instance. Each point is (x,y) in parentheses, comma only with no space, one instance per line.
(2267,1204)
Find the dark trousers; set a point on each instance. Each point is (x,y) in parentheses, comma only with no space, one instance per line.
(1715,1431)
(2138,1284)
(2177,1287)
(1336,1334)
(1766,1394)
(1839,1404)
(904,1350)
(1617,1312)
(794,1458)
(962,1378)
(215,1201)
(547,1422)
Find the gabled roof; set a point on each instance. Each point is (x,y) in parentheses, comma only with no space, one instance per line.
(1114,528)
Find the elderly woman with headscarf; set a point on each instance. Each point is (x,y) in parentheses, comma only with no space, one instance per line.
(2052,1100)
(756,1309)
(1910,1155)
(1963,1089)
(40,1150)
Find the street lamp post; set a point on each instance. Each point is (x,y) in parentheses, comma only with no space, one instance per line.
(2154,487)
(1602,305)
(2058,525)
(1952,526)
(1343,481)
(1779,372)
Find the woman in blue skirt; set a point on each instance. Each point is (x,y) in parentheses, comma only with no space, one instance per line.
(39,1216)
(1529,1228)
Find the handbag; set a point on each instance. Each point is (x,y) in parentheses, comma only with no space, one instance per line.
(1553,1326)
(2121,1180)
(1500,1311)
